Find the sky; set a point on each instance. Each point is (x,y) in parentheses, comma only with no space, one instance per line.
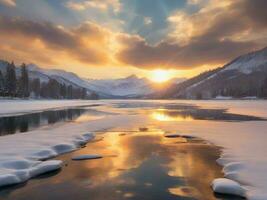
(117,38)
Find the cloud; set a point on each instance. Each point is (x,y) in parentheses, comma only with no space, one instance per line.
(88,42)
(212,35)
(147,20)
(94,4)
(9,3)
(215,34)
(172,56)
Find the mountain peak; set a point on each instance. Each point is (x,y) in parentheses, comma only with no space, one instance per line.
(133,76)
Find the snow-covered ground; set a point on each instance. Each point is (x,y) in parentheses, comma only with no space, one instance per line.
(18,107)
(23,155)
(244,152)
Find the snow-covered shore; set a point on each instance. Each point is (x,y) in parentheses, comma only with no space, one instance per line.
(22,155)
(244,149)
(19,107)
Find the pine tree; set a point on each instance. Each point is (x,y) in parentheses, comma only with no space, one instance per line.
(69,92)
(94,96)
(53,89)
(84,93)
(63,91)
(11,80)
(44,90)
(36,87)
(2,84)
(24,82)
(263,92)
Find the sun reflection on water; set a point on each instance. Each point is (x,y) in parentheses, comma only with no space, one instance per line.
(161,115)
(136,164)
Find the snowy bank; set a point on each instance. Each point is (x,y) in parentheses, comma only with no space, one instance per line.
(22,155)
(18,107)
(226,186)
(20,161)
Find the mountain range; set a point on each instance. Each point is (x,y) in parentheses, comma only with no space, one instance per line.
(129,87)
(242,77)
(245,76)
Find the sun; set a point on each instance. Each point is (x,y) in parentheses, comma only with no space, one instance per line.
(160,75)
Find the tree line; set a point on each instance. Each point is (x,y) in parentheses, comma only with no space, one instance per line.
(22,86)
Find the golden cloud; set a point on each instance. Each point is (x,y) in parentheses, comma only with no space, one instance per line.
(101,5)
(10,3)
(218,32)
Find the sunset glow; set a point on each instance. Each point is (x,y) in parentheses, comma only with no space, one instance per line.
(160,76)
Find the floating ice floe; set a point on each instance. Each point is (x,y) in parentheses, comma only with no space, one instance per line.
(87,157)
(227,186)
(172,135)
(175,135)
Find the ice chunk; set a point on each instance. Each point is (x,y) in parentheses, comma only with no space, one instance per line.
(63,148)
(87,157)
(227,186)
(17,164)
(88,136)
(44,154)
(232,167)
(8,179)
(173,135)
(46,166)
(176,135)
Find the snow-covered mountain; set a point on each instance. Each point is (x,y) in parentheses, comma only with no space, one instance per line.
(248,63)
(244,76)
(129,87)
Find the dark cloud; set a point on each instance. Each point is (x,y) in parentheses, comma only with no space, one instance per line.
(219,35)
(45,31)
(218,39)
(165,55)
(255,10)
(56,38)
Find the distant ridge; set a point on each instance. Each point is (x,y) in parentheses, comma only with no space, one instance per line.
(245,76)
(129,87)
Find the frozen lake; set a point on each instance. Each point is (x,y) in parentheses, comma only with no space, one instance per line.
(237,128)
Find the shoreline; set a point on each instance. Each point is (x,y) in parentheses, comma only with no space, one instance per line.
(180,167)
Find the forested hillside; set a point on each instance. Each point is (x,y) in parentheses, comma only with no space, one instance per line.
(15,82)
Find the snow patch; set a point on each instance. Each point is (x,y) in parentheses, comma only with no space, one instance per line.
(227,186)
(44,167)
(223,98)
(25,161)
(17,171)
(87,157)
(63,148)
(22,155)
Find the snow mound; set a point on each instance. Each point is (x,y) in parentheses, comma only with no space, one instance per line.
(17,171)
(227,186)
(223,98)
(63,148)
(24,162)
(46,166)
(28,157)
(8,179)
(231,170)
(87,157)
(88,136)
